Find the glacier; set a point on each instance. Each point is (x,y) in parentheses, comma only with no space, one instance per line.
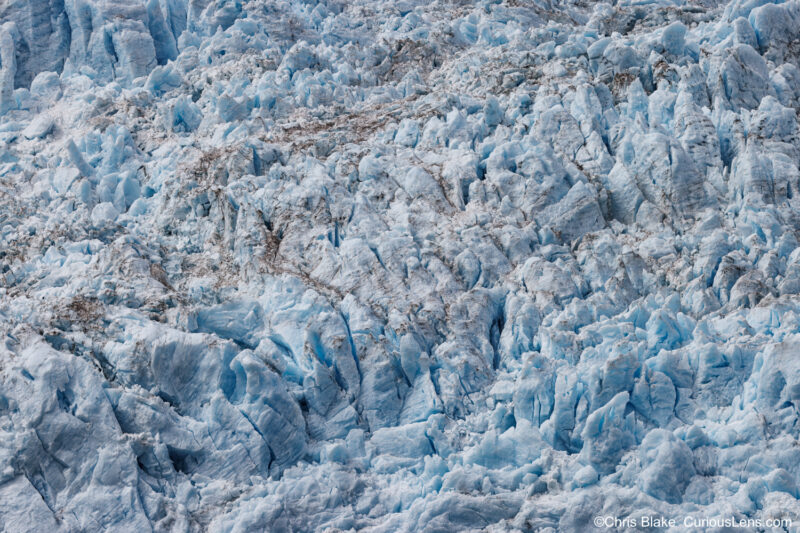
(291,265)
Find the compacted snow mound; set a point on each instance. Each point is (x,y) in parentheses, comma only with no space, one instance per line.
(397,266)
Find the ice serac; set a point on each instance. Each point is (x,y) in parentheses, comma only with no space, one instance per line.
(42,36)
(8,66)
(397,265)
(105,39)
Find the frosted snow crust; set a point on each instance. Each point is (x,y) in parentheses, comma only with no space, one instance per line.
(397,266)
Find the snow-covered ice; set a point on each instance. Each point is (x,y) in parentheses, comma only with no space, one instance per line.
(395,266)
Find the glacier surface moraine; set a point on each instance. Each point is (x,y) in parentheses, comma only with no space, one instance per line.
(397,266)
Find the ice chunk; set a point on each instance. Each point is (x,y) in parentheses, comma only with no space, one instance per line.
(668,466)
(743,77)
(418,183)
(23,509)
(665,175)
(8,66)
(576,214)
(672,38)
(585,476)
(242,322)
(773,26)
(40,127)
(263,399)
(408,133)
(104,213)
(184,115)
(403,441)
(163,78)
(46,85)
(608,433)
(654,396)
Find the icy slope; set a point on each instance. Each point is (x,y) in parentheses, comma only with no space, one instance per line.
(397,266)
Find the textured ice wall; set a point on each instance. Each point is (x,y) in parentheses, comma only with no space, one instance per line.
(397,266)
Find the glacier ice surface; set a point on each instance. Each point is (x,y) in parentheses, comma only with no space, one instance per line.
(397,266)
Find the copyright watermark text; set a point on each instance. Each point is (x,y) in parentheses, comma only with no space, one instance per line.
(655,521)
